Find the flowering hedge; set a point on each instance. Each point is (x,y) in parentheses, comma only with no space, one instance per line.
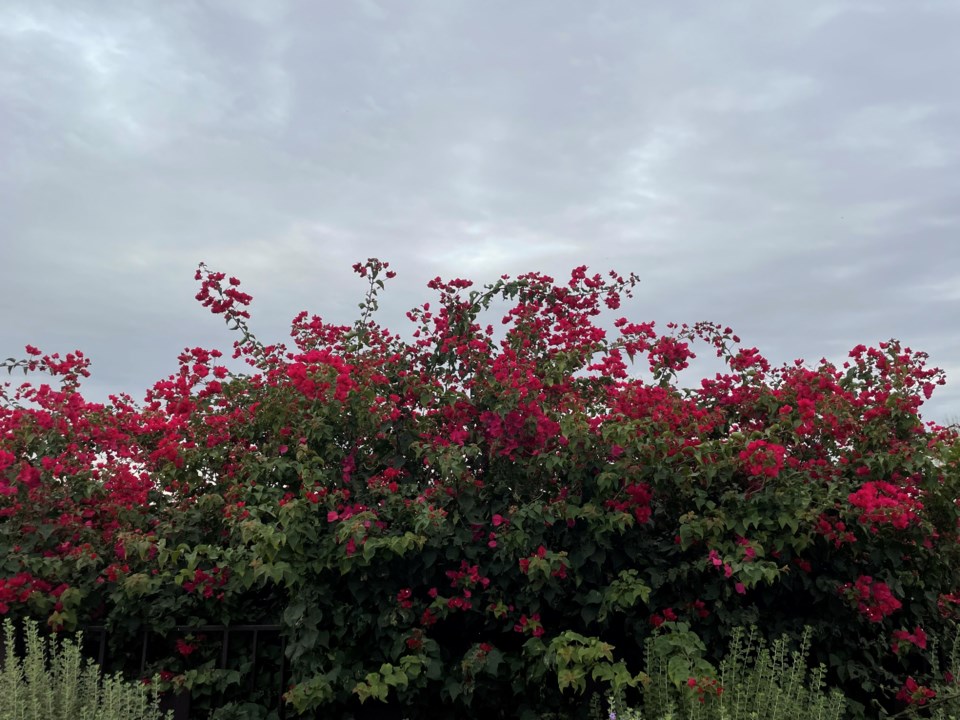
(490,521)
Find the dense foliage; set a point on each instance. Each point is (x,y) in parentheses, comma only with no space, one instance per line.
(489,521)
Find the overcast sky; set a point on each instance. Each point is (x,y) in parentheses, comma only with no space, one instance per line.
(791,169)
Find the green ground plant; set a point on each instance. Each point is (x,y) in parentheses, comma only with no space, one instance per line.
(753,682)
(775,683)
(54,682)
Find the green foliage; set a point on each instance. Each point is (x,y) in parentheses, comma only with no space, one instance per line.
(52,682)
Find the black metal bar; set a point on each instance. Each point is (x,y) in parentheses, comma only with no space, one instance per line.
(224,648)
(253,660)
(204,628)
(101,654)
(283,677)
(220,628)
(143,653)
(180,703)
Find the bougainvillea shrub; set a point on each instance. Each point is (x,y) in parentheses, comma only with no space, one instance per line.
(489,514)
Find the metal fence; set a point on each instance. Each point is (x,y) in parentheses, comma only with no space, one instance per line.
(97,636)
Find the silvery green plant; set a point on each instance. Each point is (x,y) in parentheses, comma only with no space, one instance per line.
(756,681)
(54,682)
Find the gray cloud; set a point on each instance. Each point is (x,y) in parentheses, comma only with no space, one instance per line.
(790,169)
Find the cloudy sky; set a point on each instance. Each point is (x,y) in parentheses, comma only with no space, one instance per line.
(791,169)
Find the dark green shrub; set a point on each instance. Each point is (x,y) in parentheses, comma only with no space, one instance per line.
(470,525)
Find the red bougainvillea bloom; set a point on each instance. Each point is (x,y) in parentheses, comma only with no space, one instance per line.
(763,459)
(903,639)
(914,694)
(185,648)
(872,598)
(883,502)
